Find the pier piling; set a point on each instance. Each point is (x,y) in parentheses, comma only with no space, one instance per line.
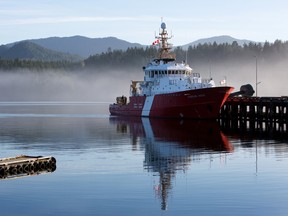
(255,113)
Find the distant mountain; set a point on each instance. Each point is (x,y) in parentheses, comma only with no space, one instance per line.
(219,40)
(32,51)
(78,47)
(3,49)
(84,46)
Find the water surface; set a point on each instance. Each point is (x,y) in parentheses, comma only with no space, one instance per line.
(132,166)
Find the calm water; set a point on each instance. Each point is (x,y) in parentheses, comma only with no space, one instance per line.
(121,166)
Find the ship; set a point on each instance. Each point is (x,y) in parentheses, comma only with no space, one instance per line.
(171,89)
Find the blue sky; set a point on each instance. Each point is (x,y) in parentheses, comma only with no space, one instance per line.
(137,21)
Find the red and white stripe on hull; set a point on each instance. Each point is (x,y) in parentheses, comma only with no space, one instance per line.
(149,100)
(197,104)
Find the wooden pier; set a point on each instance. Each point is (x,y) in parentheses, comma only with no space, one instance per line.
(255,113)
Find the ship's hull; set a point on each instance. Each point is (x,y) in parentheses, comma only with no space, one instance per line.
(196,104)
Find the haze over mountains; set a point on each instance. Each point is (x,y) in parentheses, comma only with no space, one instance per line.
(84,46)
(77,48)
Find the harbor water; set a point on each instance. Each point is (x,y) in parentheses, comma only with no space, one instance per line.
(138,166)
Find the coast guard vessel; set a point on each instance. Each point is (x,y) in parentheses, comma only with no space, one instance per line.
(171,89)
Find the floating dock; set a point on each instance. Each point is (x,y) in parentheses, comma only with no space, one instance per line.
(20,166)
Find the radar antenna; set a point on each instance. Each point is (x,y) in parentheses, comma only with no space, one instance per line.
(165,47)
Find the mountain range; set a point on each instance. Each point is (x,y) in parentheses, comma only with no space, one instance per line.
(30,51)
(219,40)
(77,48)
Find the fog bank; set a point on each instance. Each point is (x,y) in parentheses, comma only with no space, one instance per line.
(64,86)
(271,76)
(26,85)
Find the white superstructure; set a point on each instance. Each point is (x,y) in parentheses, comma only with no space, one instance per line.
(163,75)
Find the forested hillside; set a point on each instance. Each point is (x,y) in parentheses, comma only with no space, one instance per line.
(201,53)
(136,58)
(27,50)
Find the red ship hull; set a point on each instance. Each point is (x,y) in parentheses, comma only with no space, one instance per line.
(196,104)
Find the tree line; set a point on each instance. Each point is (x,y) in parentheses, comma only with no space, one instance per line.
(138,57)
(36,65)
(201,53)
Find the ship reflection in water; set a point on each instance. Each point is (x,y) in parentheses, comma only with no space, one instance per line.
(171,145)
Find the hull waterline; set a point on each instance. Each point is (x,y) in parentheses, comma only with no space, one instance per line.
(196,104)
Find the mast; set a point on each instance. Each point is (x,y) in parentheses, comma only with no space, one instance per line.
(165,47)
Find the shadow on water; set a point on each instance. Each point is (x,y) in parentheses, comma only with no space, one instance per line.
(170,145)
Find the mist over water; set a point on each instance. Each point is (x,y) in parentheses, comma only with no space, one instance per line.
(64,86)
(271,76)
(104,86)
